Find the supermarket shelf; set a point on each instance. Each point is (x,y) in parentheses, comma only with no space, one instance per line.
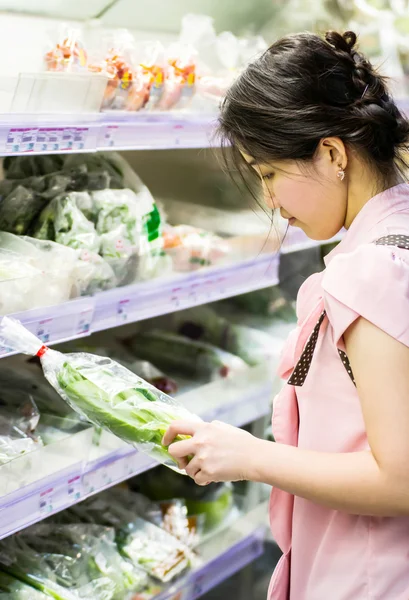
(81,465)
(225,553)
(143,300)
(156,297)
(45,134)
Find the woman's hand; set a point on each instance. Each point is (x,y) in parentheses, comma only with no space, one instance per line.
(217,452)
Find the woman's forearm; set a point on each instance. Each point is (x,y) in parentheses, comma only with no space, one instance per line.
(350,482)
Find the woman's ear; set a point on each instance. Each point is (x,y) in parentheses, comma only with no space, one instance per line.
(333,149)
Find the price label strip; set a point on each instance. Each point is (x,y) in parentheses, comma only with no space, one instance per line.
(45,506)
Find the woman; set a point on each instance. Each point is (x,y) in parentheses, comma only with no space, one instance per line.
(316,123)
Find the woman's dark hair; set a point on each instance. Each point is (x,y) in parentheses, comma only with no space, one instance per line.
(305,88)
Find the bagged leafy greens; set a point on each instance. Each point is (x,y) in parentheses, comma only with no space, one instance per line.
(202,323)
(146,544)
(212,504)
(104,392)
(141,368)
(14,589)
(183,355)
(70,562)
(36,273)
(63,222)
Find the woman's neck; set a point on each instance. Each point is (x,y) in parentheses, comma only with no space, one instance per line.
(364,185)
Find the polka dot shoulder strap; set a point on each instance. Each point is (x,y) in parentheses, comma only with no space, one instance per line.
(302,367)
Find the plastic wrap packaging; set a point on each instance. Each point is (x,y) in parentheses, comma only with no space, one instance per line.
(114,57)
(14,589)
(183,355)
(117,506)
(160,554)
(94,204)
(211,505)
(71,562)
(68,53)
(141,368)
(63,222)
(202,323)
(269,302)
(35,273)
(191,248)
(104,392)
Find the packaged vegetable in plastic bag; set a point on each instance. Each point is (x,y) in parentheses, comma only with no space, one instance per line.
(63,222)
(104,392)
(70,562)
(117,507)
(204,324)
(12,588)
(185,356)
(145,543)
(141,368)
(191,248)
(212,504)
(19,418)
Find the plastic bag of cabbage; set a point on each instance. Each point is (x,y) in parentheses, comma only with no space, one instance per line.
(66,562)
(104,392)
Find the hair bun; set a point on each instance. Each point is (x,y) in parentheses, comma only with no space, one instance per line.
(344,42)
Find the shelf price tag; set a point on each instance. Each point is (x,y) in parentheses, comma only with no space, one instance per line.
(21,139)
(122,311)
(74,488)
(44,329)
(84,321)
(110,135)
(46,502)
(79,137)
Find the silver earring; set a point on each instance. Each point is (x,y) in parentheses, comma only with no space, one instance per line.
(341,174)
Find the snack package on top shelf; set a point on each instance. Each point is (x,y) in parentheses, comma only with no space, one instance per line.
(70,562)
(113,56)
(68,54)
(191,248)
(104,392)
(180,77)
(183,355)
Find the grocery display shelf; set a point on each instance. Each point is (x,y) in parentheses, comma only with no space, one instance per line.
(144,300)
(54,477)
(46,134)
(223,554)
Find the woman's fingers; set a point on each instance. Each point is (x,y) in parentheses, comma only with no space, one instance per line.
(180,428)
(182,449)
(201,479)
(182,463)
(193,468)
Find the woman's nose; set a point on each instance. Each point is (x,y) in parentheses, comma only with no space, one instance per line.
(269,198)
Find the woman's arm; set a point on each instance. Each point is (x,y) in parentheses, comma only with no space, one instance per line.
(370,483)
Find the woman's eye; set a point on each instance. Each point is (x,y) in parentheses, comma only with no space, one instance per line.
(268,176)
